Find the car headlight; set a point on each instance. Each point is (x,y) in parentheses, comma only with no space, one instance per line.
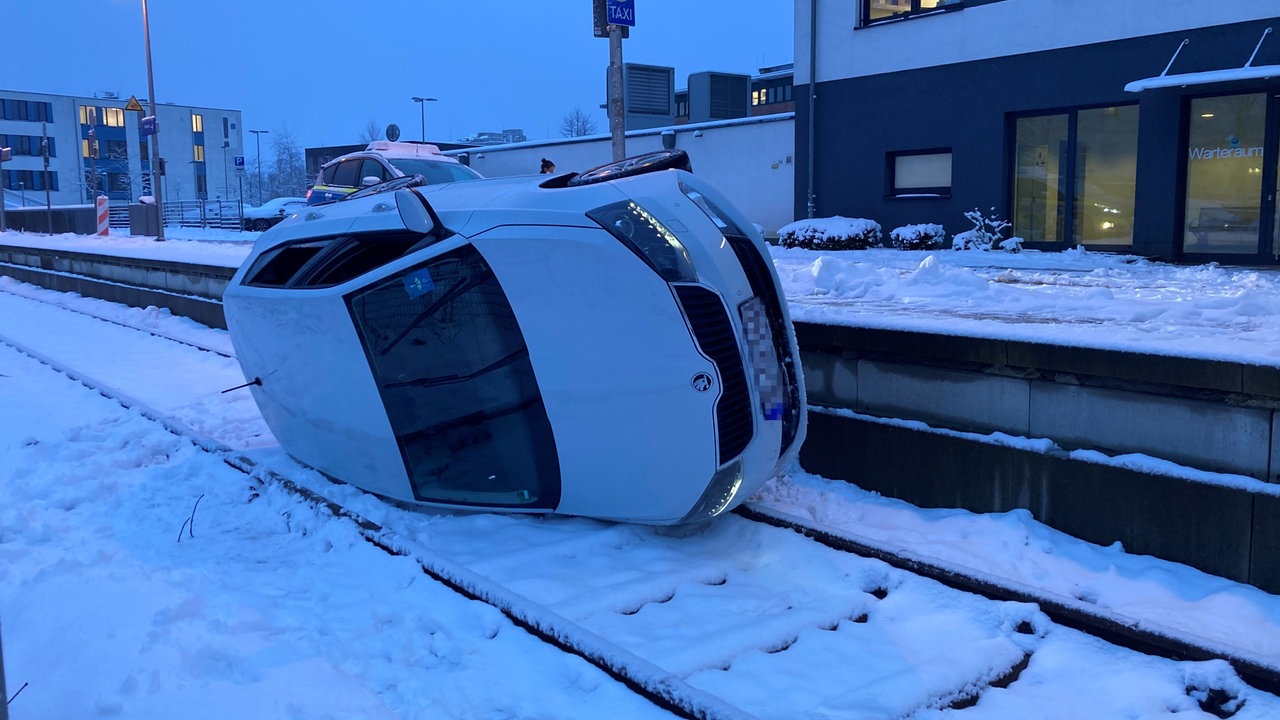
(647,238)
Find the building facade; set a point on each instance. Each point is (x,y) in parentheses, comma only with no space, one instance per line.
(199,147)
(1150,127)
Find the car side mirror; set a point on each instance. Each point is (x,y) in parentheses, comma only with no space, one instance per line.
(368,180)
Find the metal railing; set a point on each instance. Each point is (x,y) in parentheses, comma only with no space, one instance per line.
(221,214)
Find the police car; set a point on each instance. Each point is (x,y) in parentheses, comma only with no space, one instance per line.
(381,161)
(613,344)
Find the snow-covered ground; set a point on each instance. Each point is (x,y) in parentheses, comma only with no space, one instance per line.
(262,609)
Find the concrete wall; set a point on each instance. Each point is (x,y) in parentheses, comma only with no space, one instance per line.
(1204,416)
(749,160)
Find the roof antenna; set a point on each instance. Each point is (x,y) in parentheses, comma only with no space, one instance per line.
(255,381)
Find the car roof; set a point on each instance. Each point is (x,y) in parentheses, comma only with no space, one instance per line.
(385,149)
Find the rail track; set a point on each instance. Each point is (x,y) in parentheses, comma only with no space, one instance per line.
(778,618)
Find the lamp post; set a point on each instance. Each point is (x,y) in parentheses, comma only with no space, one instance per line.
(226,185)
(422,106)
(156,172)
(257,136)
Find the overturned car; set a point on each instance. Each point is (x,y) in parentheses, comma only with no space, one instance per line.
(613,344)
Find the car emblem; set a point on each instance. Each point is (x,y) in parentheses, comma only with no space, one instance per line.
(702,382)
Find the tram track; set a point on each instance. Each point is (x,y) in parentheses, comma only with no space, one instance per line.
(604,622)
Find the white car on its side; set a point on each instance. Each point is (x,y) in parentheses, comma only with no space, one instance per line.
(613,344)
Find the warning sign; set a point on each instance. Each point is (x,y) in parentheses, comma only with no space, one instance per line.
(133,104)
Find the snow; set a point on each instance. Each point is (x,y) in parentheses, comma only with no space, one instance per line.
(141,577)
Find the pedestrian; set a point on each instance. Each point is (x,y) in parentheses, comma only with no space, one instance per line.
(548,167)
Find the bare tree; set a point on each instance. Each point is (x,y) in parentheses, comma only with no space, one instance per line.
(371,132)
(577,124)
(289,175)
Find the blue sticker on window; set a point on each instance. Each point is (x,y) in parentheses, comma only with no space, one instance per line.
(418,283)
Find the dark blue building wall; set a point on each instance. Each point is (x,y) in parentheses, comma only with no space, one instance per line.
(970,108)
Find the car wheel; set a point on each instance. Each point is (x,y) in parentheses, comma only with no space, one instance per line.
(638,165)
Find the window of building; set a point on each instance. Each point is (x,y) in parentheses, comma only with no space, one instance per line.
(198,153)
(117,149)
(118,182)
(878,10)
(202,186)
(144,150)
(88,115)
(920,173)
(1225,146)
(1075,176)
(226,128)
(30,180)
(113,117)
(197,123)
(27,145)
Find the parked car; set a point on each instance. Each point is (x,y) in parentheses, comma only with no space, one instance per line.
(271,212)
(613,344)
(381,161)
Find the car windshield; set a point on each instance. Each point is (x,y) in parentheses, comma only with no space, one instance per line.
(433,170)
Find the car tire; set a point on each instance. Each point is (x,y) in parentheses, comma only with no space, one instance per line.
(640,164)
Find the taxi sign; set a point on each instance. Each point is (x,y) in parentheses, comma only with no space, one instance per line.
(622,12)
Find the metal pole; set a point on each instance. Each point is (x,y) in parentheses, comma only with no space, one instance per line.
(4,198)
(422,118)
(617,123)
(48,202)
(155,139)
(4,694)
(257,135)
(813,97)
(226,184)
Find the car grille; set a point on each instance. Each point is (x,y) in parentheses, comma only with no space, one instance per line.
(713,329)
(763,287)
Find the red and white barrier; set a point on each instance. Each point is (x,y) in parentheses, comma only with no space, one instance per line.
(103,215)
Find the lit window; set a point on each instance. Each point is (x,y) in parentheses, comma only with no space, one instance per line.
(920,173)
(877,10)
(197,123)
(88,115)
(198,153)
(84,148)
(755,97)
(113,117)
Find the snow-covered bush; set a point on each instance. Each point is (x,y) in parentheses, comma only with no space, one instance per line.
(833,233)
(988,231)
(918,237)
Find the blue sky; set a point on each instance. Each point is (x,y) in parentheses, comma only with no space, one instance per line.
(326,68)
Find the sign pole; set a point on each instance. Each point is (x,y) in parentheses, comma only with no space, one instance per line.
(157,167)
(48,202)
(4,156)
(617,122)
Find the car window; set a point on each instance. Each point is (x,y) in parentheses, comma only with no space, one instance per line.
(373,168)
(455,376)
(326,174)
(348,173)
(434,170)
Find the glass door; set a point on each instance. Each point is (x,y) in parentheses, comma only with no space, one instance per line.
(1226,185)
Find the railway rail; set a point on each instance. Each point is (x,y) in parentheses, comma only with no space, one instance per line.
(767,595)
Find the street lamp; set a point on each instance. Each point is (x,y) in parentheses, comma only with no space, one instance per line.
(257,136)
(156,173)
(422,106)
(226,185)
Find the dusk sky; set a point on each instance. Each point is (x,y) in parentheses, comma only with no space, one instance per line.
(325,69)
